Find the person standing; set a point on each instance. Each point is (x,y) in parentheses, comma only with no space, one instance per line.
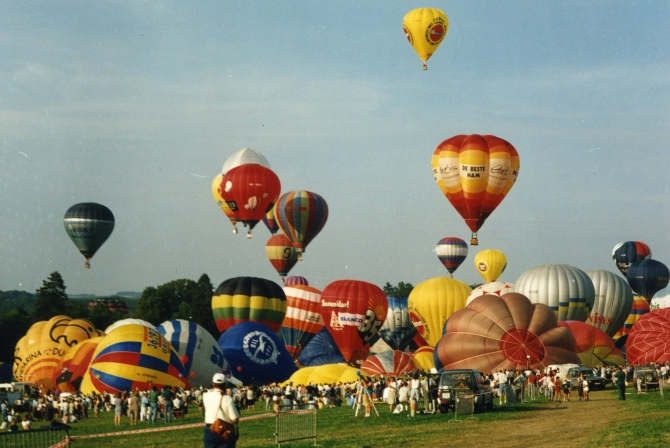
(133,408)
(153,405)
(620,380)
(392,388)
(167,397)
(218,403)
(118,409)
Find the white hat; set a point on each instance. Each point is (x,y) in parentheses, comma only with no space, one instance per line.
(218,378)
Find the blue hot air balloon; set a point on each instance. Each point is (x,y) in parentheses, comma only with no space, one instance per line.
(320,350)
(255,354)
(397,330)
(625,254)
(646,277)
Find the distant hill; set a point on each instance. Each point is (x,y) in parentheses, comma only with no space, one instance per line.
(10,300)
(129,294)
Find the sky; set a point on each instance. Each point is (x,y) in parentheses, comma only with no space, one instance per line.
(137,104)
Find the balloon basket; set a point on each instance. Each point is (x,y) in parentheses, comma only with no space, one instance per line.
(234,229)
(87,265)
(473,240)
(425,66)
(249,235)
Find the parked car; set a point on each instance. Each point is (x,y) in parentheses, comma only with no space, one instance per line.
(648,376)
(454,381)
(595,381)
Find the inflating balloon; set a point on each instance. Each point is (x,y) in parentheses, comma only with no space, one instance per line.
(451,251)
(475,173)
(496,288)
(303,318)
(248,299)
(425,29)
(431,303)
(649,339)
(281,253)
(73,366)
(389,363)
(88,225)
(625,254)
(325,374)
(321,350)
(507,332)
(301,215)
(565,289)
(647,277)
(129,321)
(490,264)
(397,330)
(593,346)
(640,307)
(423,358)
(613,301)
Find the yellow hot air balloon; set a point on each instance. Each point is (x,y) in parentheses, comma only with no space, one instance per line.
(225,208)
(432,302)
(425,29)
(490,264)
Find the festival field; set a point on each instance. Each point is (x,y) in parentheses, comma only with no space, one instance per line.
(640,421)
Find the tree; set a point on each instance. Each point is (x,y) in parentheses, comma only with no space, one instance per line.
(400,291)
(15,325)
(51,298)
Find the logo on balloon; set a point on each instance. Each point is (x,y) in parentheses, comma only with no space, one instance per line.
(435,33)
(417,322)
(482,266)
(260,348)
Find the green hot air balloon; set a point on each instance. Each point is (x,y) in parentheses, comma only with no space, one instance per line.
(89,225)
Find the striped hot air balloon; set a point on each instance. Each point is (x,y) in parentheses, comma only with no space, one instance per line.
(301,215)
(303,318)
(640,307)
(281,253)
(88,225)
(451,252)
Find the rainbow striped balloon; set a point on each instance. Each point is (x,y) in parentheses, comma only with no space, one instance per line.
(301,215)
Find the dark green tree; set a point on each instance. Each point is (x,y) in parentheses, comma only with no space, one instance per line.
(14,325)
(51,298)
(101,317)
(399,291)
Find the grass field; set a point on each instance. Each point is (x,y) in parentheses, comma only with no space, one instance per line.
(640,421)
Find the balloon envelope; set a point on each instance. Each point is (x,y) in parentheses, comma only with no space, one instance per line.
(281,253)
(256,354)
(325,374)
(496,288)
(640,308)
(423,358)
(321,350)
(451,251)
(397,330)
(661,299)
(625,254)
(129,321)
(303,318)
(490,264)
(301,215)
(392,362)
(507,332)
(74,365)
(649,339)
(568,291)
(425,29)
(244,156)
(613,301)
(593,346)
(647,277)
(88,225)
(295,280)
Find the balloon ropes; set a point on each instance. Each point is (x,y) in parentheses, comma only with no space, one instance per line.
(88,225)
(425,29)
(451,251)
(475,173)
(301,215)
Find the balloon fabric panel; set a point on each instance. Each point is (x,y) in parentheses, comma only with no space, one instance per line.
(303,318)
(649,339)
(613,301)
(646,277)
(451,252)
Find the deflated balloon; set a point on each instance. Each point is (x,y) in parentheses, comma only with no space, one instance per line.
(475,173)
(248,299)
(490,264)
(301,215)
(88,225)
(321,350)
(397,330)
(625,254)
(568,291)
(647,277)
(649,339)
(389,363)
(613,301)
(281,253)
(451,251)
(325,374)
(353,311)
(431,303)
(425,29)
(303,318)
(256,354)
(507,332)
(593,346)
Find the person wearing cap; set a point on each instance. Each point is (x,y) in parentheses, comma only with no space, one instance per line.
(218,403)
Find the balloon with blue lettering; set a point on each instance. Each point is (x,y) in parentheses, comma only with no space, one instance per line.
(198,350)
(256,354)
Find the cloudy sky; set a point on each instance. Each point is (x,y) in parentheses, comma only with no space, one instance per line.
(137,104)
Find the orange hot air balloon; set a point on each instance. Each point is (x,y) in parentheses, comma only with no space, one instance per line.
(593,346)
(281,253)
(475,173)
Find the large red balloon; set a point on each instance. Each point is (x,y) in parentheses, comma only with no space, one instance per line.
(649,339)
(507,332)
(390,362)
(353,311)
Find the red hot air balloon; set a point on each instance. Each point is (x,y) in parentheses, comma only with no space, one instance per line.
(475,173)
(303,318)
(507,332)
(649,339)
(301,215)
(353,311)
(390,362)
(281,254)
(250,191)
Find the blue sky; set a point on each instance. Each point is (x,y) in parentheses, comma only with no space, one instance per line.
(136,105)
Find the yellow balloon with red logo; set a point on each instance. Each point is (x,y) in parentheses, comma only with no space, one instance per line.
(490,264)
(425,29)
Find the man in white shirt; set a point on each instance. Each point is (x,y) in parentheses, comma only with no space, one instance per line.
(218,403)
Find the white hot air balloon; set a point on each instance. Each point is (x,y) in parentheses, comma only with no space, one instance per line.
(661,299)
(495,288)
(243,157)
(565,289)
(129,321)
(613,302)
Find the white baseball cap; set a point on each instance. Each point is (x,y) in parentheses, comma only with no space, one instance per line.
(218,378)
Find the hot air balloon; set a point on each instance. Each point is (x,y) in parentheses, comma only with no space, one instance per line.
(451,251)
(198,351)
(625,254)
(244,156)
(250,191)
(325,374)
(496,288)
(490,264)
(661,299)
(475,173)
(647,277)
(507,332)
(397,330)
(225,208)
(256,354)
(74,365)
(321,350)
(649,339)
(129,321)
(425,29)
(133,357)
(295,280)
(565,289)
(431,303)
(391,363)
(301,215)
(353,312)
(270,221)
(281,253)
(613,301)
(303,318)
(423,358)
(243,299)
(593,346)
(88,225)
(640,307)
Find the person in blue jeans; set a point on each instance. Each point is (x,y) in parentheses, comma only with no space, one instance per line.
(153,405)
(168,396)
